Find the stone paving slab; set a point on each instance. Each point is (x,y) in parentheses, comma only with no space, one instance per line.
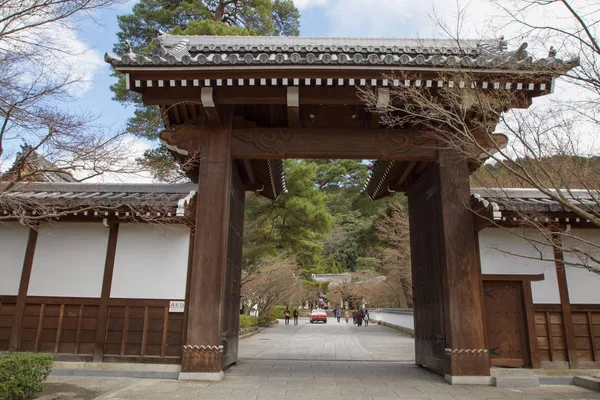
(331,341)
(250,380)
(304,362)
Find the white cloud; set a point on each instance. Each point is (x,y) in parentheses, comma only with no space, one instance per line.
(303,4)
(55,50)
(80,59)
(135,149)
(394,18)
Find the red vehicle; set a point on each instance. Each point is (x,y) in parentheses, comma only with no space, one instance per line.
(318,315)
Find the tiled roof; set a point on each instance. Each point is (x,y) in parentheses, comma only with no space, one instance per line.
(29,161)
(64,196)
(241,51)
(532,200)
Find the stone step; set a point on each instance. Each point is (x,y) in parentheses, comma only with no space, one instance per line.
(506,377)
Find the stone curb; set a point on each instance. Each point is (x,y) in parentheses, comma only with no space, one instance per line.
(252,333)
(588,382)
(406,331)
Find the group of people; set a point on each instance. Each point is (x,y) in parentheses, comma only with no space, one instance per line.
(359,316)
(287,316)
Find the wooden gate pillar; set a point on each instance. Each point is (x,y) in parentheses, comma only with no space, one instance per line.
(202,357)
(449,331)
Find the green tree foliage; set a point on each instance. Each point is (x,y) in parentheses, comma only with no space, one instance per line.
(365,263)
(296,222)
(190,17)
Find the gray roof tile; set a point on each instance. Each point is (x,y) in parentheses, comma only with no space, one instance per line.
(532,200)
(227,51)
(38,195)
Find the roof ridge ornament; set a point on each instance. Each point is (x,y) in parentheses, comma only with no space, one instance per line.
(502,44)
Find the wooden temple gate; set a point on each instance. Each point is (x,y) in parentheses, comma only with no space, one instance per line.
(234,107)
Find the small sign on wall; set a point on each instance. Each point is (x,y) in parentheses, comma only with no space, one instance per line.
(176,306)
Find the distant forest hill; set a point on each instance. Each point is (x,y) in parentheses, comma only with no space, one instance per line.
(555,172)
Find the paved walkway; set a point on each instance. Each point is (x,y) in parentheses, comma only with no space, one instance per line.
(301,380)
(357,370)
(331,341)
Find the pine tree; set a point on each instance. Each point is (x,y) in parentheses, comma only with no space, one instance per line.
(190,17)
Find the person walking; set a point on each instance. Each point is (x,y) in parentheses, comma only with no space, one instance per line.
(287,316)
(359,317)
(338,315)
(296,314)
(346,314)
(354,317)
(366,318)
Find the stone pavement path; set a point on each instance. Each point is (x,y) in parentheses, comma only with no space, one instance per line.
(331,341)
(318,380)
(321,362)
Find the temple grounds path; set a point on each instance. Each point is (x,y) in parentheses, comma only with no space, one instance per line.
(331,341)
(309,362)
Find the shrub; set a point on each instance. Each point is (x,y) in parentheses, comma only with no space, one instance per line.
(247,321)
(22,374)
(364,263)
(278,312)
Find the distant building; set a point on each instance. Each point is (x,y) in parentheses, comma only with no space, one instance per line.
(31,166)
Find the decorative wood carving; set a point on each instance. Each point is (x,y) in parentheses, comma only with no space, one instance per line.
(183,139)
(356,143)
(333,116)
(489,143)
(205,358)
(240,122)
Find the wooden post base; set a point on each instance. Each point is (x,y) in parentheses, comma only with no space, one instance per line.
(202,359)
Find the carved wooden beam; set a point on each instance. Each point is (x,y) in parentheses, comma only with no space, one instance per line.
(490,143)
(184,139)
(356,143)
(209,106)
(276,143)
(293,103)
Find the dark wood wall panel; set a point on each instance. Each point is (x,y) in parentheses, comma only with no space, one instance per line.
(550,335)
(551,338)
(586,325)
(143,329)
(66,327)
(8,306)
(58,325)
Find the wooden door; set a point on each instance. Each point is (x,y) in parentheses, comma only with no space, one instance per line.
(505,323)
(230,335)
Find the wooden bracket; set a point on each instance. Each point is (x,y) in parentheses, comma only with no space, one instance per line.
(293,103)
(383,101)
(208,102)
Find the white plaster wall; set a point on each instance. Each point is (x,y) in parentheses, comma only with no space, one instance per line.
(405,319)
(584,286)
(69,260)
(151,262)
(494,246)
(13,242)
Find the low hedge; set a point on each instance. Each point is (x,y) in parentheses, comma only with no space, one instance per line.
(278,312)
(247,321)
(22,374)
